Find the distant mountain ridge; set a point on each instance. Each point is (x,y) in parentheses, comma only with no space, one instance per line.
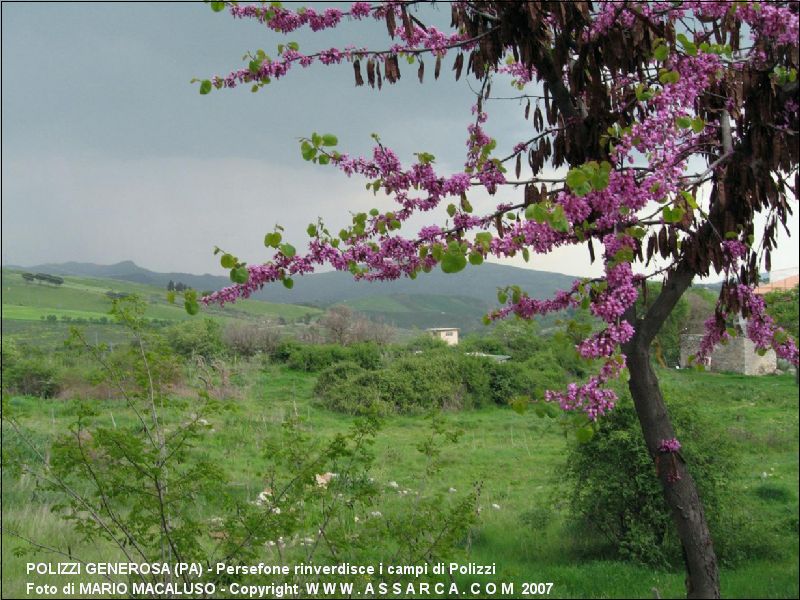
(332,287)
(433,299)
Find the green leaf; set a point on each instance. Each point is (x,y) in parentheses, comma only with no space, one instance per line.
(484,238)
(240,274)
(698,124)
(599,179)
(624,254)
(558,220)
(688,46)
(271,240)
(217,6)
(683,122)
(536,212)
(288,283)
(661,53)
(205,87)
(307,150)
(453,262)
(311,230)
(672,215)
(643,93)
(287,250)
(451,209)
(690,200)
(228,261)
(669,77)
(475,258)
(576,178)
(329,140)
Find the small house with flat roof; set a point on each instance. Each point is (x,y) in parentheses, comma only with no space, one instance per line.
(448,335)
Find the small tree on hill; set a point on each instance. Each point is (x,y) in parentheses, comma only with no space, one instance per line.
(670,126)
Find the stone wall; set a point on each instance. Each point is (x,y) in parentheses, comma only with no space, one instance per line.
(738,356)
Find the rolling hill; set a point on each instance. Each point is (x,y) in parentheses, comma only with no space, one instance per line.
(41,313)
(432,300)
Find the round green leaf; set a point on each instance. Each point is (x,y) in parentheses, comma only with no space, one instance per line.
(453,263)
(228,261)
(271,240)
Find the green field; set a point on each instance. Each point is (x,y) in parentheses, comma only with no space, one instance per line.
(26,307)
(517,458)
(408,311)
(524,525)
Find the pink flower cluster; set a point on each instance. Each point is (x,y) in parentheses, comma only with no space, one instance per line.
(285,21)
(778,23)
(715,332)
(669,446)
(761,327)
(520,73)
(591,397)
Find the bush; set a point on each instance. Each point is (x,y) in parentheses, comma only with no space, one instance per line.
(367,354)
(248,339)
(316,357)
(311,357)
(196,337)
(615,491)
(442,378)
(30,373)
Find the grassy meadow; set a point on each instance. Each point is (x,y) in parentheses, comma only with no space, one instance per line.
(41,314)
(524,524)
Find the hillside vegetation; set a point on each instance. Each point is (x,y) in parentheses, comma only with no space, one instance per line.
(430,459)
(41,314)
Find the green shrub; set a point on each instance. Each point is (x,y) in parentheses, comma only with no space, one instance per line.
(367,354)
(615,491)
(28,371)
(196,338)
(423,343)
(441,378)
(316,357)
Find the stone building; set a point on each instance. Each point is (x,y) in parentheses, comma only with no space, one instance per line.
(737,356)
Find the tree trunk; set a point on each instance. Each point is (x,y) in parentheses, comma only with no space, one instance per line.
(680,492)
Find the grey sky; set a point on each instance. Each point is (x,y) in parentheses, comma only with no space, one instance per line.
(110,154)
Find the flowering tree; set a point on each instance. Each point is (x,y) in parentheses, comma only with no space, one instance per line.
(673,125)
